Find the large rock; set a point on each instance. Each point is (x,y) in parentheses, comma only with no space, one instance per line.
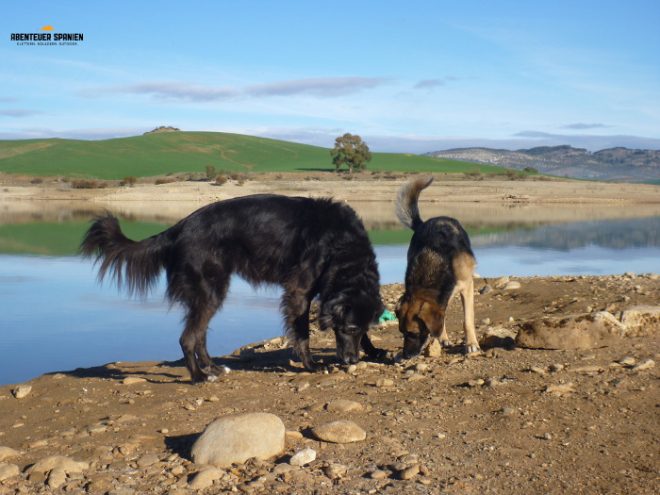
(343,406)
(584,331)
(234,439)
(342,431)
(641,320)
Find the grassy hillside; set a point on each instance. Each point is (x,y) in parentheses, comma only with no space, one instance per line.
(164,153)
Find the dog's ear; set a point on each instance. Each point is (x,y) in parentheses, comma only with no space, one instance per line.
(332,310)
(432,315)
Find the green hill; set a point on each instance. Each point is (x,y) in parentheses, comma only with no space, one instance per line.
(173,152)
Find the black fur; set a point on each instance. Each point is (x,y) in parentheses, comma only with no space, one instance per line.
(308,246)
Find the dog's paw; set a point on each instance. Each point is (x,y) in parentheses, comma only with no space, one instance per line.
(472,349)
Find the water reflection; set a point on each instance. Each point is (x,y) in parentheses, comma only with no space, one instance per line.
(56,317)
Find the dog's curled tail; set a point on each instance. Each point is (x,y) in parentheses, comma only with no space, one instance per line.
(406,201)
(134,265)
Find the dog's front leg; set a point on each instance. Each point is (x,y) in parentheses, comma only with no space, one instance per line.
(370,350)
(296,311)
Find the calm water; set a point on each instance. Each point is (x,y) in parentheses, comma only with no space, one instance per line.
(54,315)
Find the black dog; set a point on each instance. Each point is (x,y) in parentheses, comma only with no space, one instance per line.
(440,264)
(308,246)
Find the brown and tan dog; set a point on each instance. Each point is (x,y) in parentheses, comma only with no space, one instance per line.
(440,264)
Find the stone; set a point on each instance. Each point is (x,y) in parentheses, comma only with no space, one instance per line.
(641,320)
(500,282)
(22,391)
(627,361)
(64,463)
(379,474)
(409,472)
(485,289)
(560,389)
(584,331)
(7,453)
(8,470)
(343,406)
(56,478)
(335,471)
(147,460)
(644,365)
(205,478)
(384,382)
(303,457)
(499,337)
(512,285)
(132,380)
(434,349)
(291,436)
(234,439)
(341,431)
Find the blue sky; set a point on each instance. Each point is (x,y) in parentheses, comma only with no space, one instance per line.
(409,76)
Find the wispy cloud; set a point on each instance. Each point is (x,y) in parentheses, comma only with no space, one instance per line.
(324,87)
(434,83)
(167,91)
(8,99)
(17,112)
(583,126)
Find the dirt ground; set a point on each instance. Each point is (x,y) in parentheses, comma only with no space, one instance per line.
(484,424)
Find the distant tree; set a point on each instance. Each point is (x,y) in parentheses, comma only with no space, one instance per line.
(351,151)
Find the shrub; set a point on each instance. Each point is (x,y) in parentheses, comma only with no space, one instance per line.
(211,173)
(87,184)
(221,179)
(164,180)
(128,181)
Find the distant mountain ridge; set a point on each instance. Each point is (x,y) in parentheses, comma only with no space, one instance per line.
(621,164)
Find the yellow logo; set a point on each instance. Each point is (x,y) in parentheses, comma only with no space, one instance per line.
(48,28)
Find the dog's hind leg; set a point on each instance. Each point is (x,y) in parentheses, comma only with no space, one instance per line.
(193,340)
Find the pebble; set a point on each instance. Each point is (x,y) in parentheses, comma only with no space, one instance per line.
(645,365)
(351,369)
(56,478)
(292,436)
(8,452)
(486,321)
(475,383)
(205,478)
(379,474)
(537,370)
(147,460)
(627,361)
(384,382)
(8,470)
(341,431)
(343,405)
(508,411)
(485,289)
(132,380)
(64,463)
(409,472)
(335,471)
(434,349)
(303,457)
(556,368)
(560,389)
(22,391)
(440,436)
(421,367)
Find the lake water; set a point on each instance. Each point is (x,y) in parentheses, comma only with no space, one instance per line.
(55,316)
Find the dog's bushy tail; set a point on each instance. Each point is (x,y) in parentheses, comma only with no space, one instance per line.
(133,265)
(406,201)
